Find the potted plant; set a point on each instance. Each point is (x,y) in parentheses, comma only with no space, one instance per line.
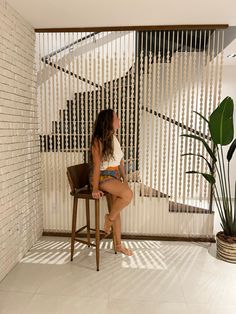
(221,129)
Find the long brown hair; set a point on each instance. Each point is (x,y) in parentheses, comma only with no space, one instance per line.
(103,131)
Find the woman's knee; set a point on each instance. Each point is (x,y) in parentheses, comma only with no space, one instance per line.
(127,195)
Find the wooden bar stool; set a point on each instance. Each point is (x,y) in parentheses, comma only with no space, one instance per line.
(78,177)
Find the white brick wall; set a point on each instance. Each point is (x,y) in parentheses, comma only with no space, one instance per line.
(20,181)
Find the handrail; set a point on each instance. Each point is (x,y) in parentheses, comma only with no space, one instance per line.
(179,124)
(78,76)
(71,73)
(70,45)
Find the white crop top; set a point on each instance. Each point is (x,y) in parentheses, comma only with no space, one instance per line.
(118,155)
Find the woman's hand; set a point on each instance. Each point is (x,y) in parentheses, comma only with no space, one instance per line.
(97,194)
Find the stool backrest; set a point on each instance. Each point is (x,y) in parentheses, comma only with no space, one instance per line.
(78,176)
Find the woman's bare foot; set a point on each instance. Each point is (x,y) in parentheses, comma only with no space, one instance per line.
(120,248)
(107,224)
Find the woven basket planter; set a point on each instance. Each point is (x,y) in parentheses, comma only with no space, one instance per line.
(226,248)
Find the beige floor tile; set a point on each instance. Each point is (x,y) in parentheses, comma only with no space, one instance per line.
(161,277)
(14,302)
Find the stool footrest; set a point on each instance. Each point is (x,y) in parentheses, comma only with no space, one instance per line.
(80,229)
(85,242)
(101,231)
(91,229)
(102,236)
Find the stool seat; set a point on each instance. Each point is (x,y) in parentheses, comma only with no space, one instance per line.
(78,177)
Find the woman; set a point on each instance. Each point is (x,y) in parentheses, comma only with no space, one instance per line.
(108,172)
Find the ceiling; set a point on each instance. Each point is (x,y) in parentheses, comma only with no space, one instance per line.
(77,13)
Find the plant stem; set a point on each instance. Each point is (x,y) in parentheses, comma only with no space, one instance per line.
(212,170)
(225,181)
(221,178)
(217,199)
(230,199)
(221,184)
(223,216)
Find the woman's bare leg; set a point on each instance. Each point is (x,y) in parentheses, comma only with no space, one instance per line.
(123,195)
(116,222)
(117,231)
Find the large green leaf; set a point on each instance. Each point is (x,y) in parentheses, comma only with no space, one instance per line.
(207,176)
(199,155)
(201,116)
(221,122)
(211,153)
(231,150)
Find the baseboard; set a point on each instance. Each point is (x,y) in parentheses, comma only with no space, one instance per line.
(139,237)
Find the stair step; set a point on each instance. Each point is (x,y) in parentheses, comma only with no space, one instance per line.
(185,208)
(154,192)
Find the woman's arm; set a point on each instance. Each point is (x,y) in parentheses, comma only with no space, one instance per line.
(96,157)
(122,170)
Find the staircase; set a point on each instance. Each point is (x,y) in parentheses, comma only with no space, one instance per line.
(73,128)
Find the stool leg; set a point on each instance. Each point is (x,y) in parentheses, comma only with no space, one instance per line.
(112,228)
(73,227)
(88,221)
(97,231)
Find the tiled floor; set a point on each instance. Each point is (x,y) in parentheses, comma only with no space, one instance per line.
(161,277)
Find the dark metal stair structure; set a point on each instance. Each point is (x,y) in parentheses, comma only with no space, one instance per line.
(191,41)
(74,121)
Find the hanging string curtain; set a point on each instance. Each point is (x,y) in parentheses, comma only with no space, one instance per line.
(154,80)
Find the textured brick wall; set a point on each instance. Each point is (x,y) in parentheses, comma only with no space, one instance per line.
(20,181)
